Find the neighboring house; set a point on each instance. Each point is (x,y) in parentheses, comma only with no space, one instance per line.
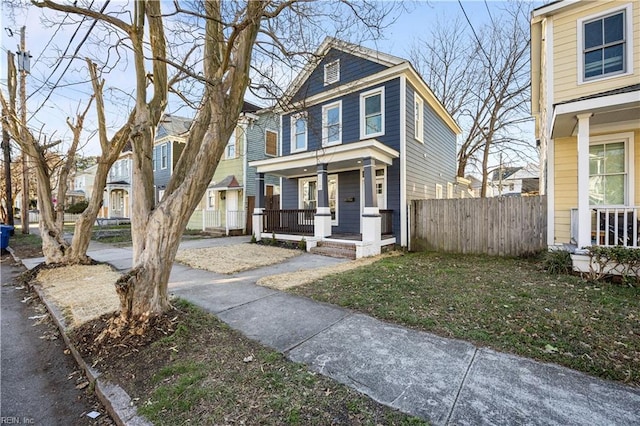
(586,101)
(231,193)
(82,185)
(515,181)
(118,198)
(168,145)
(362,135)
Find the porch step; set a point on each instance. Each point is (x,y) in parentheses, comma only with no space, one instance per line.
(216,232)
(335,249)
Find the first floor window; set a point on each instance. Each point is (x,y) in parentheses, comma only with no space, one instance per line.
(607,174)
(211,200)
(309,195)
(271,143)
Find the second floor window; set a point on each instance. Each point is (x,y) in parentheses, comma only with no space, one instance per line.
(231,146)
(331,124)
(604,46)
(163,156)
(372,113)
(418,118)
(298,133)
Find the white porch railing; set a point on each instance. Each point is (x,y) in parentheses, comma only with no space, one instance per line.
(611,226)
(210,219)
(34,217)
(235,219)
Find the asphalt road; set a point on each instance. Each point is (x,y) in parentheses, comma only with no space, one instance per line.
(39,383)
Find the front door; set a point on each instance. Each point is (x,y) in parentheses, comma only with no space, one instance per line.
(232,209)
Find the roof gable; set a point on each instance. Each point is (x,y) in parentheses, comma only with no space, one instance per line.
(355,62)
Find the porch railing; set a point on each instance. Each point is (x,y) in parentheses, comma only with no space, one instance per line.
(611,226)
(210,219)
(289,221)
(617,226)
(386,223)
(235,219)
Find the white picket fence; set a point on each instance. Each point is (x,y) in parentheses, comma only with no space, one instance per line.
(34,217)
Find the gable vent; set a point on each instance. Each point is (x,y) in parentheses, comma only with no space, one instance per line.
(332,72)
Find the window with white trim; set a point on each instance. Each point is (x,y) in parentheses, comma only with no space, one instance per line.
(438,191)
(372,113)
(309,195)
(163,156)
(231,146)
(332,72)
(299,132)
(211,199)
(332,124)
(608,174)
(605,44)
(449,190)
(418,114)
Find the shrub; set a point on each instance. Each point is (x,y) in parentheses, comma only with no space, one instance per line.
(624,260)
(302,244)
(558,262)
(78,207)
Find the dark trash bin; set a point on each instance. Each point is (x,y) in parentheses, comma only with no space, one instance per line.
(5,231)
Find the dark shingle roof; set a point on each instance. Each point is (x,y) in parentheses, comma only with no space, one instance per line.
(627,89)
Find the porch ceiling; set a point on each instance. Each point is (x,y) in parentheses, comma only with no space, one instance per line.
(340,157)
(612,110)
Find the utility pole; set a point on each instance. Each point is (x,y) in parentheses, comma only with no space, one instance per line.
(23,67)
(6,141)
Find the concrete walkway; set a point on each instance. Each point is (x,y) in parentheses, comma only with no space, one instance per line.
(445,381)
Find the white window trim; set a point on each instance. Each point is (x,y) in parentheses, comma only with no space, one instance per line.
(325,132)
(292,130)
(439,194)
(418,121)
(154,157)
(628,54)
(329,65)
(449,190)
(265,142)
(363,96)
(211,193)
(164,157)
(302,181)
(234,135)
(629,151)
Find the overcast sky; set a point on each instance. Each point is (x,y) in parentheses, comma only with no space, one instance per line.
(63,102)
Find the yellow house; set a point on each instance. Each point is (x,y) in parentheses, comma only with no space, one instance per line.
(585,59)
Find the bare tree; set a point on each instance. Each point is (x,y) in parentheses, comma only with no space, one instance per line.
(216,55)
(482,78)
(54,247)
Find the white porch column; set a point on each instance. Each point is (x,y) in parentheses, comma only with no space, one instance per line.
(371,221)
(322,218)
(258,210)
(584,215)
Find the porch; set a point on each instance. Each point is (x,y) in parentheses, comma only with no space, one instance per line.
(229,222)
(616,226)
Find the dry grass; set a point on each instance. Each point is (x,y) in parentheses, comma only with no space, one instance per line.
(82,292)
(234,258)
(303,277)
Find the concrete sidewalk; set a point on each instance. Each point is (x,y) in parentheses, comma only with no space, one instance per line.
(445,381)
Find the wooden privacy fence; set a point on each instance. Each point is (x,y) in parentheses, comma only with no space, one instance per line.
(502,226)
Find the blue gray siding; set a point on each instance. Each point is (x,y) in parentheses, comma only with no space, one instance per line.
(256,141)
(350,119)
(348,211)
(432,162)
(161,176)
(352,68)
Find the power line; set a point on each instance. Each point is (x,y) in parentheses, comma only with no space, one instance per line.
(75,53)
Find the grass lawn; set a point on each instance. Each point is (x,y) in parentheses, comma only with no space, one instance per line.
(203,372)
(511,305)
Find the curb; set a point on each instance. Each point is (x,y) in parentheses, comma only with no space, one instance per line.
(116,401)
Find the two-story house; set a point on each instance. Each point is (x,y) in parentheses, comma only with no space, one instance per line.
(168,145)
(586,101)
(361,136)
(231,193)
